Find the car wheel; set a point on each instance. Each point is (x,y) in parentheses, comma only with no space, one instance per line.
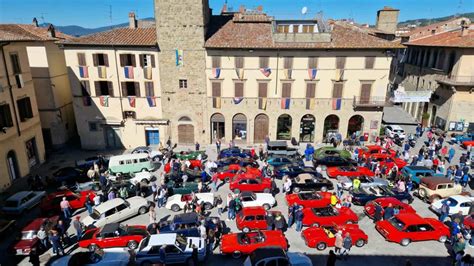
(175,208)
(236,191)
(296,189)
(266,206)
(207,206)
(236,254)
(351,222)
(315,224)
(422,193)
(324,189)
(442,239)
(142,210)
(321,246)
(405,242)
(146,181)
(92,248)
(132,245)
(245,230)
(360,243)
(267,190)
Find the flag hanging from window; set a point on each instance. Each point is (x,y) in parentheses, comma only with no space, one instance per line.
(336,103)
(151,101)
(238,100)
(83,72)
(285,103)
(339,74)
(102,72)
(147,72)
(310,103)
(179,57)
(266,71)
(216,102)
(287,73)
(216,72)
(240,73)
(312,73)
(132,101)
(104,101)
(262,103)
(128,72)
(86,100)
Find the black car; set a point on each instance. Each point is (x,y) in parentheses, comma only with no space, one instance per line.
(292,171)
(187,224)
(366,194)
(192,174)
(233,152)
(244,162)
(334,161)
(310,182)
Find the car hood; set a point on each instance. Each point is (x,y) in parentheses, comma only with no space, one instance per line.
(265,198)
(23,244)
(137,201)
(88,221)
(298,259)
(314,232)
(199,242)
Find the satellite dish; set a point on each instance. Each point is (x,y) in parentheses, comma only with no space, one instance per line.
(304,10)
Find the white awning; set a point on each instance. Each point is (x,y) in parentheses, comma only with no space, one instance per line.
(402,96)
(163,122)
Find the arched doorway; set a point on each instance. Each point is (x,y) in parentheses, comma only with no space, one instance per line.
(307,128)
(433,115)
(12,165)
(260,128)
(185,130)
(284,127)
(217,127)
(239,127)
(331,125)
(355,125)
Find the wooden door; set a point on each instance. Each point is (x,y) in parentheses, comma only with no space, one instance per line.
(185,134)
(365,91)
(260,128)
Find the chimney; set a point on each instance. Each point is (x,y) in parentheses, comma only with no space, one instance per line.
(387,19)
(51,31)
(464,28)
(35,22)
(242,9)
(224,8)
(132,21)
(260,9)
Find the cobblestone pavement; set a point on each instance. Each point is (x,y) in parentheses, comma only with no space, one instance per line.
(376,252)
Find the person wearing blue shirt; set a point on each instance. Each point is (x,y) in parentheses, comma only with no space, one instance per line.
(451,154)
(406,147)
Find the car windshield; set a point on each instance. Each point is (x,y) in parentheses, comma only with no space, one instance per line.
(11,203)
(309,196)
(396,223)
(95,215)
(144,243)
(28,235)
(181,242)
(452,202)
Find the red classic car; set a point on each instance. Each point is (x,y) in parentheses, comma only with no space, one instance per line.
(388,160)
(374,149)
(407,227)
(322,237)
(350,171)
(113,235)
(245,243)
(309,199)
(193,165)
(28,235)
(468,143)
(50,204)
(369,208)
(328,216)
(251,182)
(250,218)
(469,221)
(227,172)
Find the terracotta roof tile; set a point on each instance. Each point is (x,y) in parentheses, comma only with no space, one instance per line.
(27,32)
(225,32)
(446,39)
(118,36)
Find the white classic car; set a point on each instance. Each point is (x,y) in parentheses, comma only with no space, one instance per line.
(177,201)
(143,177)
(365,181)
(116,210)
(22,201)
(250,199)
(105,257)
(456,204)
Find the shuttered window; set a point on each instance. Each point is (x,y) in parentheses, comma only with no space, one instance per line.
(15,60)
(103,88)
(147,60)
(216,62)
(286,90)
(239,62)
(264,61)
(369,62)
(310,90)
(100,60)
(24,109)
(288,63)
(127,60)
(85,88)
(337,90)
(312,62)
(149,89)
(216,89)
(5,116)
(283,28)
(130,89)
(239,89)
(81,59)
(340,62)
(262,89)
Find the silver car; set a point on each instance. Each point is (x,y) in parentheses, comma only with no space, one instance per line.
(365,181)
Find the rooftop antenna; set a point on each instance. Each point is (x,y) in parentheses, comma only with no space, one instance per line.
(322,23)
(304,11)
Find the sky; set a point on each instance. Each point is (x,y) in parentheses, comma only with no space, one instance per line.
(98,13)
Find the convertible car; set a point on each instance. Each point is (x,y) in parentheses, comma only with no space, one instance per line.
(334,161)
(325,236)
(366,194)
(305,182)
(244,162)
(349,171)
(309,199)
(292,171)
(245,243)
(368,150)
(365,181)
(194,164)
(369,208)
(113,235)
(226,173)
(254,218)
(330,151)
(388,160)
(251,182)
(328,215)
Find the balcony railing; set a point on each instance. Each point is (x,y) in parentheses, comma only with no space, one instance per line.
(371,101)
(456,80)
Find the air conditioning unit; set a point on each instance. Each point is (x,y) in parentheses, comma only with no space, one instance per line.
(130,114)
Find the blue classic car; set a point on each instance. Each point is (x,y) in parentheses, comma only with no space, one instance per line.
(416,173)
(278,161)
(234,152)
(460,138)
(366,194)
(187,224)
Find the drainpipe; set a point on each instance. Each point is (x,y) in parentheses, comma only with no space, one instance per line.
(277,68)
(10,89)
(118,81)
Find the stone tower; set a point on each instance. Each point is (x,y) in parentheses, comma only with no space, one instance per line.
(181,30)
(387,19)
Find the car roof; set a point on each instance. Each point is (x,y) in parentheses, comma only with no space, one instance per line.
(185,218)
(417,168)
(253,210)
(110,228)
(162,239)
(109,204)
(130,156)
(246,193)
(410,218)
(461,198)
(19,195)
(432,181)
(266,252)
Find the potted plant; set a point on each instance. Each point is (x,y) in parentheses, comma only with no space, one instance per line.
(424,119)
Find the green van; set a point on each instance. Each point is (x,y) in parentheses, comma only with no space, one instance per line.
(131,163)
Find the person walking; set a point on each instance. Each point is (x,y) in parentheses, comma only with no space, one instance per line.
(34,257)
(89,203)
(78,226)
(218,146)
(220,205)
(377,213)
(161,197)
(56,243)
(231,210)
(214,180)
(123,191)
(197,146)
(299,219)
(42,236)
(65,208)
(444,213)
(111,195)
(61,228)
(346,245)
(451,154)
(152,215)
(154,190)
(338,242)
(291,214)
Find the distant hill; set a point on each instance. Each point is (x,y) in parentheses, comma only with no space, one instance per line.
(426,21)
(75,30)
